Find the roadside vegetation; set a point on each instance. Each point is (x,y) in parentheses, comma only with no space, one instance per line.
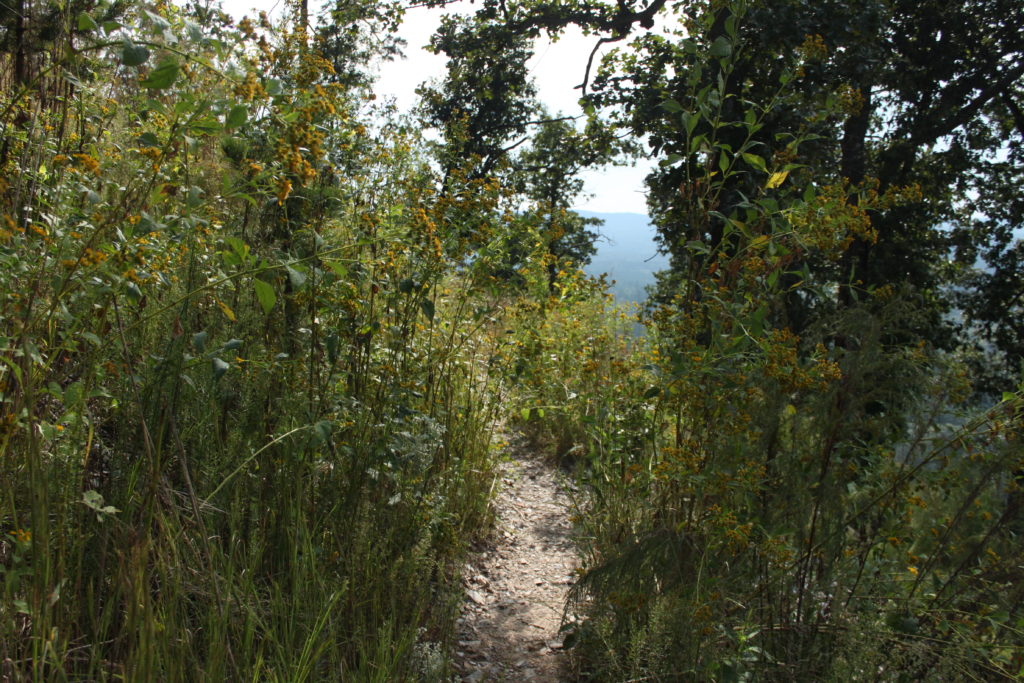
(260,338)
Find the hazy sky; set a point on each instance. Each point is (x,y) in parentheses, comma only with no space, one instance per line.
(556,68)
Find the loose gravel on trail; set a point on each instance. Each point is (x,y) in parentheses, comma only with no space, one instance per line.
(517,585)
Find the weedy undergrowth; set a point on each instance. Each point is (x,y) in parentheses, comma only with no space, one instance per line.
(247,403)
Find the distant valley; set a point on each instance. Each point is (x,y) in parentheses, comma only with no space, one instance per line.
(626,251)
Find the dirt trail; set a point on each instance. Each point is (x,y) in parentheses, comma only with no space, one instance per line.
(516,587)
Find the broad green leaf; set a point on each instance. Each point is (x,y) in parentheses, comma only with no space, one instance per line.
(133,55)
(428,308)
(721,47)
(754,160)
(690,120)
(219,368)
(296,278)
(695,142)
(238,115)
(730,25)
(273,87)
(339,268)
(159,22)
(323,430)
(265,294)
(199,340)
(525,412)
(94,501)
(73,394)
(86,22)
(195,31)
(163,76)
(672,106)
(240,248)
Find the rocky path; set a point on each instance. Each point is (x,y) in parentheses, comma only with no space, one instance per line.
(516,587)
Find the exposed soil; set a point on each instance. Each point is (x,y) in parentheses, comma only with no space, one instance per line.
(516,587)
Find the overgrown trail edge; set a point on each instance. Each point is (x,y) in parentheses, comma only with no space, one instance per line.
(516,586)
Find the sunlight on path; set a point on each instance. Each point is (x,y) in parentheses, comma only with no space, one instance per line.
(516,587)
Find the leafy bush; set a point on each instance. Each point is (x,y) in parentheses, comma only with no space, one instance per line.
(246,412)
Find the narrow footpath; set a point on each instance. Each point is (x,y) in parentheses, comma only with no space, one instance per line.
(516,587)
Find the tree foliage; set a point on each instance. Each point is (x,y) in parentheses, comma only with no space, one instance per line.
(258,331)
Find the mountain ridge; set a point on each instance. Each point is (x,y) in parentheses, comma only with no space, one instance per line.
(626,252)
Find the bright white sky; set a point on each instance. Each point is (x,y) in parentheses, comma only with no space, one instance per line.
(556,67)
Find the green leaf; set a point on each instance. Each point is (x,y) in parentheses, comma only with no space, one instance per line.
(652,392)
(730,25)
(147,139)
(273,86)
(240,248)
(133,55)
(159,22)
(219,368)
(238,115)
(195,31)
(695,142)
(525,412)
(94,501)
(296,278)
(199,340)
(86,23)
(163,76)
(322,430)
(73,394)
(691,120)
(339,268)
(754,160)
(721,47)
(427,306)
(265,294)
(1009,396)
(672,106)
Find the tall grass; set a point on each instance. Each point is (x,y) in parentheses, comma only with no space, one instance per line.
(246,403)
(758,516)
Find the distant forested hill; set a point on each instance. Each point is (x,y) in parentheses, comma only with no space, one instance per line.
(627,253)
